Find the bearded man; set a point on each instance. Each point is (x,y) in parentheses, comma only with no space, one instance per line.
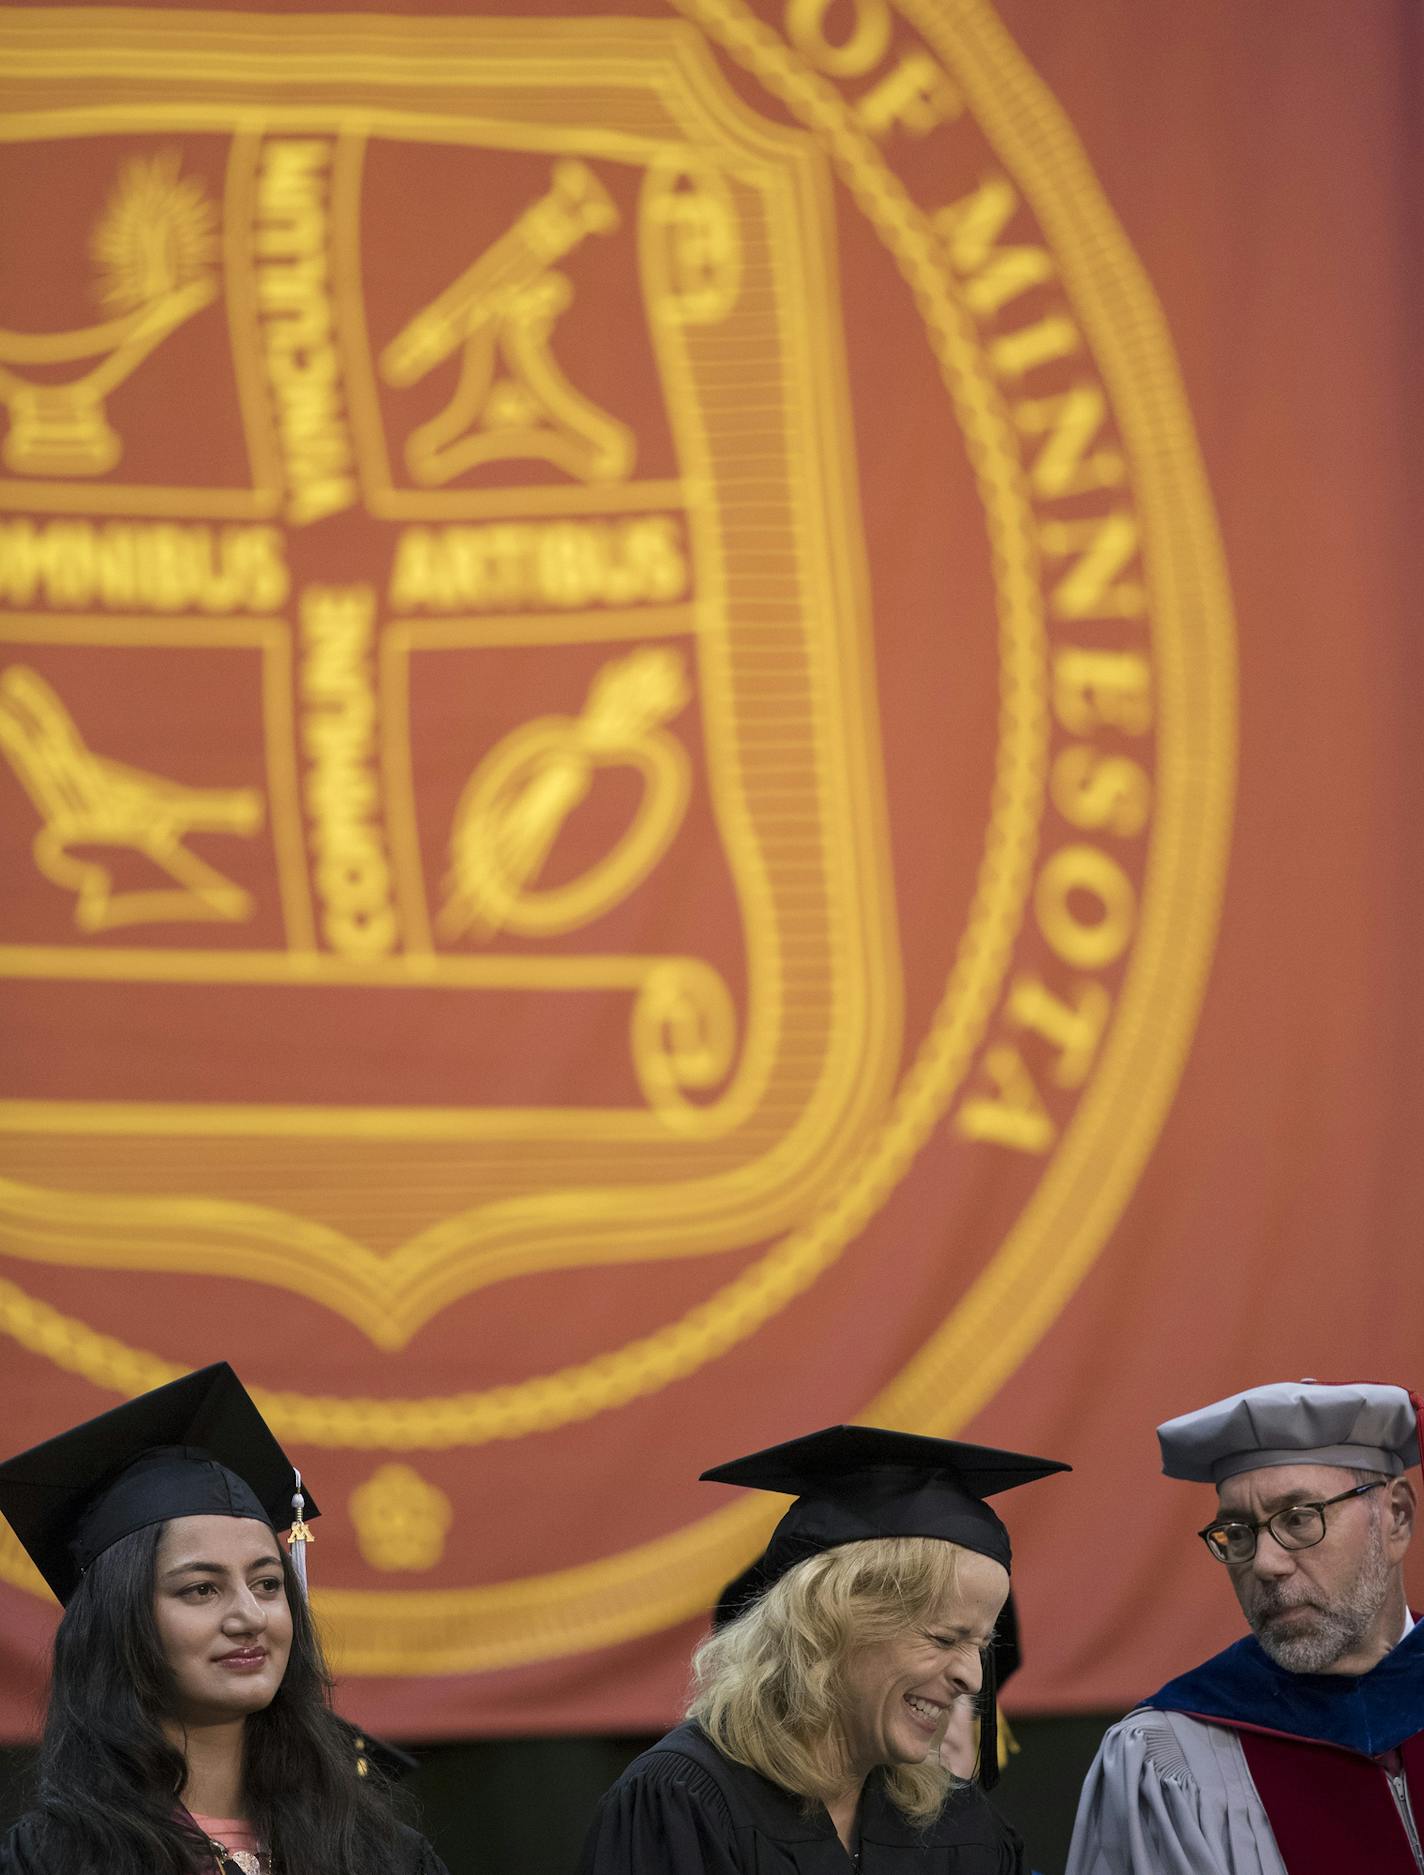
(1299,1750)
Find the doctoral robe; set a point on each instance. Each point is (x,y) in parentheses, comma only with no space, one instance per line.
(685,1809)
(1244,1768)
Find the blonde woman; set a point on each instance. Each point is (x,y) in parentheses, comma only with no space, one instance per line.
(812,1744)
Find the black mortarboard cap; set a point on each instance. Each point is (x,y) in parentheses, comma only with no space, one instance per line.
(854,1482)
(196,1447)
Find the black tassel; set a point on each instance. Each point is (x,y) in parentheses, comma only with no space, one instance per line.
(988,1770)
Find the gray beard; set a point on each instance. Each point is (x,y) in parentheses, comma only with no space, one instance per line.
(1337,1630)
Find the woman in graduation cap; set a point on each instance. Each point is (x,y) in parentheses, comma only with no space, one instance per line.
(189,1727)
(812,1745)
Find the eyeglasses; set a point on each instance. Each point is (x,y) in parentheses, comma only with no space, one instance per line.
(1298,1526)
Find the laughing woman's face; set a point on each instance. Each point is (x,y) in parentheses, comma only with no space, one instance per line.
(902,1690)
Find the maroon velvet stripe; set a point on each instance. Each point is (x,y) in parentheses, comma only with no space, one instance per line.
(1331,1811)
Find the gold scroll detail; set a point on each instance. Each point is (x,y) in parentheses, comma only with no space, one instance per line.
(684,1038)
(691,241)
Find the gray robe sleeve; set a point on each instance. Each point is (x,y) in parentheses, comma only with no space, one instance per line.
(1168,1795)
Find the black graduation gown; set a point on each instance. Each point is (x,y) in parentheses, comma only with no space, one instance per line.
(20,1854)
(685,1809)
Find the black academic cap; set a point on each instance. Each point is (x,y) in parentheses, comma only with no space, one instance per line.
(853,1482)
(196,1447)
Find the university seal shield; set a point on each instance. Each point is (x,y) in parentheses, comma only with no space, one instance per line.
(616,713)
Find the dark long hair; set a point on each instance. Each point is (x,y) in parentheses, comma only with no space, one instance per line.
(110,1781)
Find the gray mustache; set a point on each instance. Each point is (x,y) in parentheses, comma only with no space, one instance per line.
(1278,1605)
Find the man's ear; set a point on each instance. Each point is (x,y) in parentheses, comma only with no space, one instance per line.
(1400,1505)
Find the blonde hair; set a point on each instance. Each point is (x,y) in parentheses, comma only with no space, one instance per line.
(770,1688)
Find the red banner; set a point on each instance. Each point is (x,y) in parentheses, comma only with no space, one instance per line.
(706,727)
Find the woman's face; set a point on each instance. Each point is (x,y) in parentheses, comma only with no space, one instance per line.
(901,1690)
(223,1620)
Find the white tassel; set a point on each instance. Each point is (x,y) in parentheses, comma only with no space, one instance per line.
(300,1533)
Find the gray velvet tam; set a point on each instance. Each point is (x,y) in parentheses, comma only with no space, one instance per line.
(1293,1422)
